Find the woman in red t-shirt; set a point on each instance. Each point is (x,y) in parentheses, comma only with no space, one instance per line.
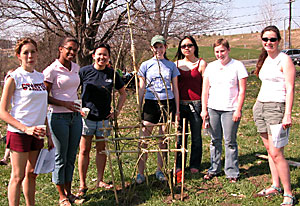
(191,69)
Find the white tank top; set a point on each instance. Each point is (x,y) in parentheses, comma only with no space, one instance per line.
(273,81)
(29,101)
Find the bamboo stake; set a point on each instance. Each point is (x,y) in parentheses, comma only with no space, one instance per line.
(112,175)
(132,127)
(175,159)
(115,122)
(290,162)
(134,62)
(145,151)
(143,138)
(168,147)
(183,160)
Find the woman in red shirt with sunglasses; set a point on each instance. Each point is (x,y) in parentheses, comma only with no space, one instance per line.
(191,69)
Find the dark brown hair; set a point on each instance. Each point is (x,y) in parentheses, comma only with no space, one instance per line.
(180,55)
(102,45)
(21,42)
(65,40)
(263,55)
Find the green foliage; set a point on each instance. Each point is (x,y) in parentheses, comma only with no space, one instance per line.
(255,174)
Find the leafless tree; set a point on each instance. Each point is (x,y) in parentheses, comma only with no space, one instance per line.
(174,18)
(78,18)
(92,21)
(270,14)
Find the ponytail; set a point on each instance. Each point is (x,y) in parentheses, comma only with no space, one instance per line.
(262,57)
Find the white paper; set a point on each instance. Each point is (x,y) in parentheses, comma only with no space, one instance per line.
(45,162)
(280,136)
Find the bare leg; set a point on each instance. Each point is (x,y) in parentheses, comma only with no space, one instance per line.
(159,154)
(84,159)
(30,178)
(61,191)
(101,163)
(146,132)
(274,173)
(18,164)
(282,168)
(279,166)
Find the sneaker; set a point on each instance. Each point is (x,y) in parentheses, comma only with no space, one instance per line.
(140,179)
(160,176)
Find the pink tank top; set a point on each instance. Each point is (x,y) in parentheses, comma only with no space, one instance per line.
(190,84)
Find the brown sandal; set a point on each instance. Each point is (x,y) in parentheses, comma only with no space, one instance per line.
(72,198)
(82,192)
(273,190)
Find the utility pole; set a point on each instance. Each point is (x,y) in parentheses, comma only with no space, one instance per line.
(290,21)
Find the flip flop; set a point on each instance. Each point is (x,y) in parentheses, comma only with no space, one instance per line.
(64,202)
(104,185)
(209,176)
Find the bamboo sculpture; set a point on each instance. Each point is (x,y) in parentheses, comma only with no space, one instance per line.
(151,140)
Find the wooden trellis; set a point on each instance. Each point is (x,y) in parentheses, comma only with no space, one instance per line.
(116,140)
(138,139)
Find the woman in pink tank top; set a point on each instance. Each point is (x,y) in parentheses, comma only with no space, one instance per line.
(191,69)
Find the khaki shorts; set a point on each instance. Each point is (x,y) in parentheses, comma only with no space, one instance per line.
(266,114)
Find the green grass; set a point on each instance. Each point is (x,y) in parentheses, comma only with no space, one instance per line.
(207,53)
(255,173)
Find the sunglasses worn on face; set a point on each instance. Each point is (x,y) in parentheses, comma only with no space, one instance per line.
(265,39)
(186,46)
(70,49)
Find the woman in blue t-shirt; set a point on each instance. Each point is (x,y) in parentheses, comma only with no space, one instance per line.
(97,81)
(158,82)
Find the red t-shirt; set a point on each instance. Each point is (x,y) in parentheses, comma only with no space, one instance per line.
(190,84)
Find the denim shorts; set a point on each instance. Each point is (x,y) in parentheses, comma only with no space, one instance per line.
(266,114)
(92,127)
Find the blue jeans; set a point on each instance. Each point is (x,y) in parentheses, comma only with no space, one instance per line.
(66,131)
(191,112)
(221,123)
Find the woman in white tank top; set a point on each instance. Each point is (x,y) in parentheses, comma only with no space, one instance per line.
(274,106)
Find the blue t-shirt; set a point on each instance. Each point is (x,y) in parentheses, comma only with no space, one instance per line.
(155,88)
(96,90)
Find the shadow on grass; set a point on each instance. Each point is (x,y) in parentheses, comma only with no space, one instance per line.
(250,169)
(133,194)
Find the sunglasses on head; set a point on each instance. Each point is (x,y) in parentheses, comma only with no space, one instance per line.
(265,39)
(186,46)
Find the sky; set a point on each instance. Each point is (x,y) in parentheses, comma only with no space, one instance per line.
(245,16)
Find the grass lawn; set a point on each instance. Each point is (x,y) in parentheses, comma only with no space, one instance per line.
(207,53)
(255,174)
